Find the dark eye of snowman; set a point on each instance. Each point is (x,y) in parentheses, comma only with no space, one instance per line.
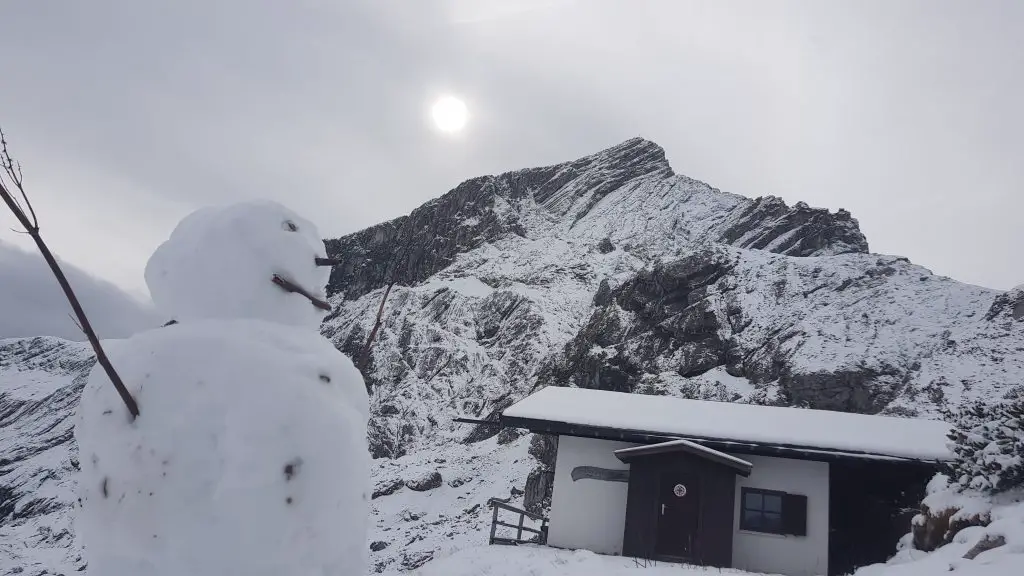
(290,226)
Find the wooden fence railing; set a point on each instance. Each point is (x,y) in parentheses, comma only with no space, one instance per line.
(540,535)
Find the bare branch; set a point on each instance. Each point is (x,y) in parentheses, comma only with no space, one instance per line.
(13,170)
(31,225)
(76,323)
(364,358)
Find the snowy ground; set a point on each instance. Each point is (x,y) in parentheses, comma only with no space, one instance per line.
(418,526)
(1008,560)
(542,561)
(1007,523)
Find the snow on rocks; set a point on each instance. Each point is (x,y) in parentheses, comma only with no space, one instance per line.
(41,380)
(219,261)
(424,525)
(988,542)
(249,455)
(424,482)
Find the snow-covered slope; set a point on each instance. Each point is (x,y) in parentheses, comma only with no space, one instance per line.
(607,272)
(40,383)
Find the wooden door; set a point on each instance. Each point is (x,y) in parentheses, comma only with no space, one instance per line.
(678,514)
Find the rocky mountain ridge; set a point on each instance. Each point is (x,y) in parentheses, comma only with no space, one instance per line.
(565,199)
(611,272)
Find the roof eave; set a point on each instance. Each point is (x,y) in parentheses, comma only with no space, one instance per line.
(740,447)
(626,457)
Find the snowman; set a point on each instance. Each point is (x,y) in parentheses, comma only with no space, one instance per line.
(249,455)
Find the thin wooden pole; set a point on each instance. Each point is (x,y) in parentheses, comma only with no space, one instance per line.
(494,525)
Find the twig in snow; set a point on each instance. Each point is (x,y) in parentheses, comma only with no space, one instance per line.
(26,215)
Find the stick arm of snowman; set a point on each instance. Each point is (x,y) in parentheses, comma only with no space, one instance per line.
(30,223)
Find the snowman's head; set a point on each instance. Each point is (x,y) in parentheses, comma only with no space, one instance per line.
(254,260)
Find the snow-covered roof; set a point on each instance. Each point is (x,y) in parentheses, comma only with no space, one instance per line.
(681,445)
(798,428)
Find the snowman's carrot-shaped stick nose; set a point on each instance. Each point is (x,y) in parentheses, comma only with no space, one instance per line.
(327,261)
(290,286)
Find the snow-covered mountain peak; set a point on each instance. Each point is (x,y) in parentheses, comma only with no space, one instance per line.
(624,196)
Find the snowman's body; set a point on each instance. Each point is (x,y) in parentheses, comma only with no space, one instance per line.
(249,456)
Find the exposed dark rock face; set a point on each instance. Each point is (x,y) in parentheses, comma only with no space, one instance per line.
(483,432)
(1009,304)
(863,390)
(378,545)
(685,317)
(604,293)
(987,543)
(509,435)
(541,480)
(668,315)
(539,484)
(797,231)
(387,488)
(544,447)
(412,248)
(425,482)
(413,561)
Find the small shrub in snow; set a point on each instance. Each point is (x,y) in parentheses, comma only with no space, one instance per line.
(988,441)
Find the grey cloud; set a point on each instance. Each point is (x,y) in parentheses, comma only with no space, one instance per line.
(904,113)
(32,303)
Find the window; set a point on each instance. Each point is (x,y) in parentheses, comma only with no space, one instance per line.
(773,512)
(762,511)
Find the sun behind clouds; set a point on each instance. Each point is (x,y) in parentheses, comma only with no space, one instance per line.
(450,114)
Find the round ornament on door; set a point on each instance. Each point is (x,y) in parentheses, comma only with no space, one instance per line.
(679,490)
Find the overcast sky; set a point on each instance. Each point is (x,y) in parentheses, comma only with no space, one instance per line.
(126,115)
(32,303)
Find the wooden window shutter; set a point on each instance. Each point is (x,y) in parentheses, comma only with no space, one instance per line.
(794,514)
